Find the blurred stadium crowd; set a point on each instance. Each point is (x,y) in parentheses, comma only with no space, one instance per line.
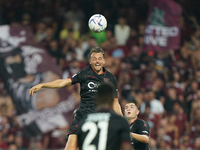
(166,85)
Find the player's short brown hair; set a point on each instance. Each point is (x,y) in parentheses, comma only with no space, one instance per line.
(134,102)
(96,49)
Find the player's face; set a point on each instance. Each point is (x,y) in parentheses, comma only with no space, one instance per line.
(97,61)
(131,111)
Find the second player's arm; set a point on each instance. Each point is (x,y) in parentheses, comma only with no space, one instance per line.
(117,107)
(141,138)
(59,83)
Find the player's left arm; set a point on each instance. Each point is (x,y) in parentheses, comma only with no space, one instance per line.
(143,132)
(117,107)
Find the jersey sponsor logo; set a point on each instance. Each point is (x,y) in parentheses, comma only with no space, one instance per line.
(92,85)
(145,132)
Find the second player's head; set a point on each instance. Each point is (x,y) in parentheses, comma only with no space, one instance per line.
(105,95)
(131,110)
(96,59)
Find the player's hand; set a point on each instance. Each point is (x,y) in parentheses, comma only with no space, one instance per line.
(35,89)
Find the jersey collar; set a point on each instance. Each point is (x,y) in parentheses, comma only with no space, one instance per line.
(133,121)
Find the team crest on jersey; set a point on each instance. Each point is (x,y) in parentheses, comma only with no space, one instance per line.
(106,80)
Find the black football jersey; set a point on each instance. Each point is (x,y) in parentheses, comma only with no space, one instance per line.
(89,81)
(102,130)
(139,127)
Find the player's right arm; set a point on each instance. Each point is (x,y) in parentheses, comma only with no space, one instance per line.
(59,83)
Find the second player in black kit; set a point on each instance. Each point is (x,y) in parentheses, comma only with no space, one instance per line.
(139,129)
(104,129)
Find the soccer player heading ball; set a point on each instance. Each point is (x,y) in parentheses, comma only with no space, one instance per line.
(89,79)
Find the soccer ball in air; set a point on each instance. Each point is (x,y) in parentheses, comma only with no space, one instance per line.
(97,23)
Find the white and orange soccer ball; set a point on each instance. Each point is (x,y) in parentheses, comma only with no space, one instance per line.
(97,23)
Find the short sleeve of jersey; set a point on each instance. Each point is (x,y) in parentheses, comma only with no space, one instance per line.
(125,135)
(77,78)
(143,128)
